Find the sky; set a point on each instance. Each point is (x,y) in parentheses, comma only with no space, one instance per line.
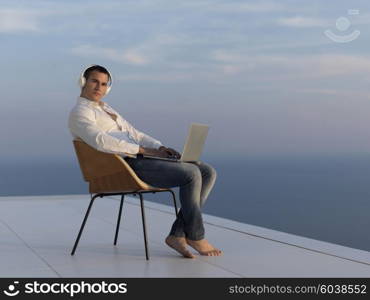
(263,74)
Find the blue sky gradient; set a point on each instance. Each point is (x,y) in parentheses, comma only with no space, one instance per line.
(261,73)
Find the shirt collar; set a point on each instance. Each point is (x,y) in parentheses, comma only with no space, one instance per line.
(88,102)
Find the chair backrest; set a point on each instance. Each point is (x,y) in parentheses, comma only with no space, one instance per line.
(105,171)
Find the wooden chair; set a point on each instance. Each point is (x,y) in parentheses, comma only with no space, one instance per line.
(110,175)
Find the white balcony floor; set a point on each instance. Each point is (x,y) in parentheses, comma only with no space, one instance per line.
(37,234)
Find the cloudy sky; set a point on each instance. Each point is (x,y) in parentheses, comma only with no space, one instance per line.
(262,74)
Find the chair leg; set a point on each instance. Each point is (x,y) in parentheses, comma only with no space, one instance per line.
(83,223)
(174,201)
(144,226)
(119,219)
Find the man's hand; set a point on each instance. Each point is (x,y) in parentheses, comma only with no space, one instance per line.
(171,152)
(153,152)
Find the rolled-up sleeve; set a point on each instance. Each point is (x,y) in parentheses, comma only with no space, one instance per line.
(148,141)
(82,124)
(142,138)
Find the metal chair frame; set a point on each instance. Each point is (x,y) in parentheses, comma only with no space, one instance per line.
(101,195)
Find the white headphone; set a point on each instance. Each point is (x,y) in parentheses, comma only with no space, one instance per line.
(82,79)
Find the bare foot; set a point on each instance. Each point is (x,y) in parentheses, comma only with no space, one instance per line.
(204,247)
(179,244)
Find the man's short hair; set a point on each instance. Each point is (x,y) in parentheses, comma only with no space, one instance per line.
(96,68)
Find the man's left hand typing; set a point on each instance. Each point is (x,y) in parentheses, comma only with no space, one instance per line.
(171,152)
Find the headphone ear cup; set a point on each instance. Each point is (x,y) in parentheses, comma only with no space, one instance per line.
(81,81)
(108,90)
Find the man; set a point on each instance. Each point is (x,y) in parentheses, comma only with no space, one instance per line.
(100,126)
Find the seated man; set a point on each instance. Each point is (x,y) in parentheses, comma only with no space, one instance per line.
(100,126)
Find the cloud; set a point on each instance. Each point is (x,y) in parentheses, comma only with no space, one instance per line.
(160,77)
(231,69)
(310,66)
(226,63)
(343,64)
(128,56)
(336,92)
(241,7)
(153,50)
(18,20)
(361,19)
(299,21)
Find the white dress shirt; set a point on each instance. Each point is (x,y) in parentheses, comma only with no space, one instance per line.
(91,123)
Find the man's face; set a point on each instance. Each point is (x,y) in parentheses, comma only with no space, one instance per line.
(96,86)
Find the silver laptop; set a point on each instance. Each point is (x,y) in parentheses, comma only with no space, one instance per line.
(193,145)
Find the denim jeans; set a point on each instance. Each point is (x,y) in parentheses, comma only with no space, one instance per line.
(195,181)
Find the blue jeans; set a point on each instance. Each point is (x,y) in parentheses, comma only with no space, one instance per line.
(195,181)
